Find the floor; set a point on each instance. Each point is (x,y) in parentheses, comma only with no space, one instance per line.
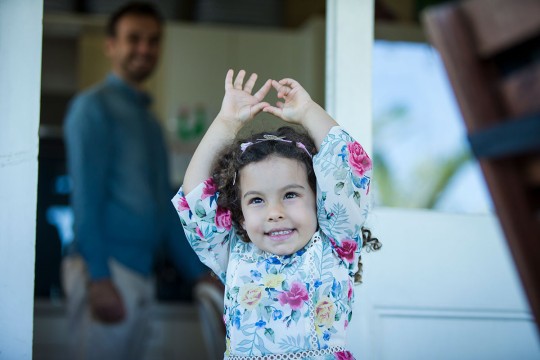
(176,332)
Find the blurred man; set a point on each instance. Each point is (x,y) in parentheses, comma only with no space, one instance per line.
(117,160)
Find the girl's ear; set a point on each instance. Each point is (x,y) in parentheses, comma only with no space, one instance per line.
(243,224)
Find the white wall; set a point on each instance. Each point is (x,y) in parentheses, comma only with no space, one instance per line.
(20,72)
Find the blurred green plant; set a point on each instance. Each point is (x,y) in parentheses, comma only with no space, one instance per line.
(431,177)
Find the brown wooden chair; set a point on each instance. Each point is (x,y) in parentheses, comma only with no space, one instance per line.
(491,51)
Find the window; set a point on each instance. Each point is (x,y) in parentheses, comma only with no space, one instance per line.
(421,155)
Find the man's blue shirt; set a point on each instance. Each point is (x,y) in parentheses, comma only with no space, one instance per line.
(118,164)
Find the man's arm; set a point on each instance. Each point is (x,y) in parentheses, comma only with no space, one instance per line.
(88,142)
(87,137)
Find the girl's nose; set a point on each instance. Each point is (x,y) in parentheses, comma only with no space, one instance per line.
(275,212)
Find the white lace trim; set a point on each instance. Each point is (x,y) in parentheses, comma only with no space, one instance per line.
(255,253)
(311,306)
(296,355)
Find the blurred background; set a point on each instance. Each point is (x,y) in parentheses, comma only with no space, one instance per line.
(421,157)
(420,152)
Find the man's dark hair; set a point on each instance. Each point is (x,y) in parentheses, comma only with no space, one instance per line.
(132,8)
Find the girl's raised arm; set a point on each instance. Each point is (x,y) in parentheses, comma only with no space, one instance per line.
(299,108)
(238,107)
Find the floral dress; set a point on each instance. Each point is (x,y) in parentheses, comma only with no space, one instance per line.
(295,306)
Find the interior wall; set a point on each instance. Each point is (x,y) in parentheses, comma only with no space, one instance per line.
(20,73)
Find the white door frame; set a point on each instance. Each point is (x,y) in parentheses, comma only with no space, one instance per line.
(20,78)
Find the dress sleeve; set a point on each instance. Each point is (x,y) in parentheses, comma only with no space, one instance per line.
(343,171)
(208,228)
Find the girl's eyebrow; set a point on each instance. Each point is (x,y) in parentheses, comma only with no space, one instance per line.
(285,188)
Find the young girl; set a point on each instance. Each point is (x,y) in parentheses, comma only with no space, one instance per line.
(278,217)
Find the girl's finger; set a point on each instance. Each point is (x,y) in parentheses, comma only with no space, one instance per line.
(228,79)
(280,105)
(259,95)
(283,91)
(255,109)
(276,85)
(239,80)
(250,83)
(279,88)
(289,82)
(273,110)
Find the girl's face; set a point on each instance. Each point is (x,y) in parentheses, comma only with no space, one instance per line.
(278,205)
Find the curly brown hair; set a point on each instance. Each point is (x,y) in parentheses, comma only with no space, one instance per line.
(369,243)
(232,159)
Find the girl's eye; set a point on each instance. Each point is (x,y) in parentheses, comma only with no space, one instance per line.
(255,201)
(291,195)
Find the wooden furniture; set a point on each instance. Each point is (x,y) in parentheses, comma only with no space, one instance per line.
(491,51)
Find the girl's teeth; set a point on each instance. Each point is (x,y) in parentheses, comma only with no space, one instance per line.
(276,233)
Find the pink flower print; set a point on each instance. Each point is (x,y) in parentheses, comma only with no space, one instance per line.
(295,296)
(358,159)
(209,188)
(182,204)
(344,355)
(223,218)
(346,250)
(346,324)
(350,291)
(199,232)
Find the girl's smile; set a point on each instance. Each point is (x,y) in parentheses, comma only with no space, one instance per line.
(279,235)
(278,205)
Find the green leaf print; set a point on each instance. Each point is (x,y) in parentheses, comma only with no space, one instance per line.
(339,186)
(209,218)
(285,286)
(295,315)
(269,333)
(191,227)
(291,344)
(199,210)
(268,309)
(357,197)
(235,290)
(348,188)
(341,174)
(244,343)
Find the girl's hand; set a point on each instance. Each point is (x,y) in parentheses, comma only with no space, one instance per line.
(238,105)
(297,101)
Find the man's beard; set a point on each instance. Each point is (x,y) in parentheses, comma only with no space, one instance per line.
(138,74)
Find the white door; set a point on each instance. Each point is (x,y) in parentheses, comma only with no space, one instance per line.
(443,286)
